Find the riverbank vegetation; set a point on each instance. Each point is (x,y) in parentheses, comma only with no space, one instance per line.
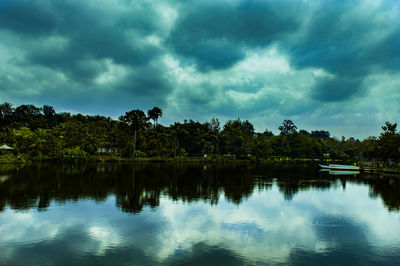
(39,133)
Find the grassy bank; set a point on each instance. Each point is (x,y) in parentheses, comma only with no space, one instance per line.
(215,159)
(211,160)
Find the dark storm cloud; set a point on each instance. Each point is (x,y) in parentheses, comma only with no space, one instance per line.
(347,39)
(230,57)
(386,53)
(216,34)
(146,84)
(27,17)
(74,36)
(336,89)
(350,41)
(211,54)
(329,42)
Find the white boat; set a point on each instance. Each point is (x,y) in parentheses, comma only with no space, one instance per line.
(340,167)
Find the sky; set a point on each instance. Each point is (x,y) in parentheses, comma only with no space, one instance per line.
(331,65)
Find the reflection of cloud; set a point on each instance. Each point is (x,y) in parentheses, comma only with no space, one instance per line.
(25,227)
(381,224)
(254,230)
(268,228)
(105,236)
(22,228)
(264,228)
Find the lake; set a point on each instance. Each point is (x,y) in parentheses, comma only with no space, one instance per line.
(151,214)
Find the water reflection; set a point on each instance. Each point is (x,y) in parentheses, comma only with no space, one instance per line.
(136,186)
(192,215)
(339,172)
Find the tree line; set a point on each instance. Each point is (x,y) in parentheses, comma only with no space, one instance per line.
(42,133)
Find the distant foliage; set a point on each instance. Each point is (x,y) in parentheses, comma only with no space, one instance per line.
(40,132)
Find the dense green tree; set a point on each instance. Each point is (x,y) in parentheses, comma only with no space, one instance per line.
(29,115)
(180,134)
(214,134)
(320,134)
(192,136)
(6,110)
(389,143)
(6,113)
(267,133)
(22,139)
(154,114)
(137,120)
(262,146)
(304,132)
(287,127)
(389,128)
(237,137)
(369,148)
(49,115)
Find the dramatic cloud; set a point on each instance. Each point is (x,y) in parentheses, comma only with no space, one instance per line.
(97,51)
(309,61)
(216,35)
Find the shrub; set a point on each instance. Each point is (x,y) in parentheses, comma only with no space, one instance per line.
(10,158)
(73,154)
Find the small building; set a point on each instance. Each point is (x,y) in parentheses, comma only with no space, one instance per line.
(108,151)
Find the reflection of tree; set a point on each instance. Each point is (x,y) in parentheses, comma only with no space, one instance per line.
(387,189)
(292,179)
(139,185)
(133,193)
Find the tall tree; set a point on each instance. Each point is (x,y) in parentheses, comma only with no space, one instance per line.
(389,128)
(287,128)
(6,109)
(154,114)
(49,115)
(237,137)
(28,115)
(214,132)
(137,120)
(6,112)
(389,142)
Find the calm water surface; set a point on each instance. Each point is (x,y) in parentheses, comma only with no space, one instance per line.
(151,214)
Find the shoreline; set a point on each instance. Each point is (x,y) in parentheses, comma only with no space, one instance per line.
(220,160)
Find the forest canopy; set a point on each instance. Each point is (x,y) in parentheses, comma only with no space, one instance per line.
(41,132)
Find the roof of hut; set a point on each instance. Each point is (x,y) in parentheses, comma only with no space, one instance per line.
(5,147)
